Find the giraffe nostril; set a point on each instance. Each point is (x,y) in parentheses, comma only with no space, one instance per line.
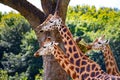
(41,30)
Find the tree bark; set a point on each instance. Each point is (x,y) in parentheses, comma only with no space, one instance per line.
(52,70)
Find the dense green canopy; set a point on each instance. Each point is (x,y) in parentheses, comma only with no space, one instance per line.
(18,41)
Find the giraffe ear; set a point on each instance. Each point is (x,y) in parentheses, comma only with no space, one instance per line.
(56,43)
(95,40)
(107,41)
(42,43)
(56,13)
(103,36)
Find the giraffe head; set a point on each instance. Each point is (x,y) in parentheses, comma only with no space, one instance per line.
(52,22)
(47,48)
(100,43)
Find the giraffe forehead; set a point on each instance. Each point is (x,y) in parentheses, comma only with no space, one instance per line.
(51,20)
(97,46)
(51,24)
(99,42)
(49,43)
(102,41)
(56,20)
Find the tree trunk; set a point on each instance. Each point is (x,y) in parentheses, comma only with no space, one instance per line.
(52,70)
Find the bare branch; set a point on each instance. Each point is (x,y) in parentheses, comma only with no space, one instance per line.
(62,8)
(49,7)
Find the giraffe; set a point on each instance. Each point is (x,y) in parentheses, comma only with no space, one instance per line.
(110,63)
(50,47)
(72,50)
(88,69)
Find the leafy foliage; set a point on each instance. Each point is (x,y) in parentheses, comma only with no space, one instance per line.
(3,75)
(18,44)
(14,27)
(29,46)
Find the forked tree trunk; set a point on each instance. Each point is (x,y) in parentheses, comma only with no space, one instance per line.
(52,70)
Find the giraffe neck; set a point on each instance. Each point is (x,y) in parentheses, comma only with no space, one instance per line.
(76,57)
(110,62)
(72,50)
(78,73)
(64,63)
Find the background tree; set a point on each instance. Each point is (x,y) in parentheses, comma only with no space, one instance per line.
(18,42)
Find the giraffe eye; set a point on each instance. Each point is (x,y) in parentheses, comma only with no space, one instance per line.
(44,46)
(99,42)
(51,21)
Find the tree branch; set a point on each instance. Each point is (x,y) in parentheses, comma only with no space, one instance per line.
(62,8)
(49,7)
(29,11)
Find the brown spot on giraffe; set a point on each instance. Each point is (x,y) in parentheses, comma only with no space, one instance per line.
(72,60)
(63,65)
(66,63)
(74,75)
(74,49)
(71,67)
(76,55)
(70,49)
(64,30)
(78,62)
